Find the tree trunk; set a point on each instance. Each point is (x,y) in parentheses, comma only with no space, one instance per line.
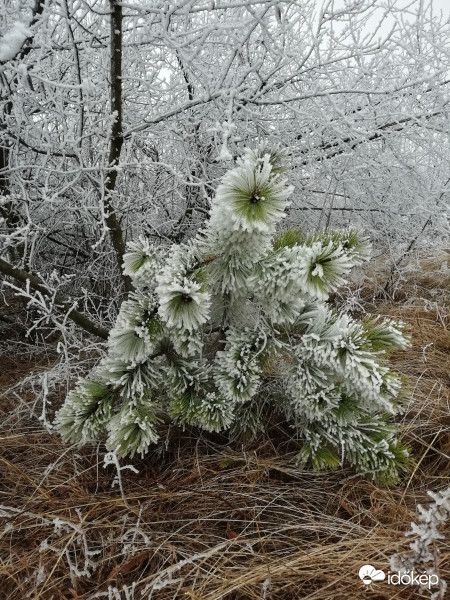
(116,141)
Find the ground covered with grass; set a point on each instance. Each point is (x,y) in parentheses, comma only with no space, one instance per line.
(206,520)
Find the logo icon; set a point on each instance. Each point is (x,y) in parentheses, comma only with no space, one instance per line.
(367,574)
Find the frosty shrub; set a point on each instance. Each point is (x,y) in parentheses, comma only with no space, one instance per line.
(424,558)
(234,325)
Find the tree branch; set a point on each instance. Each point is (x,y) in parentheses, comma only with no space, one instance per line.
(347,143)
(74,315)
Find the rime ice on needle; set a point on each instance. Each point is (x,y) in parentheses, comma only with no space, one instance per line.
(235,324)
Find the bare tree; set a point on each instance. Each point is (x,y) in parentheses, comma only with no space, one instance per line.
(118,118)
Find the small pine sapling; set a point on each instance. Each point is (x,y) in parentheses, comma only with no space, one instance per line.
(222,330)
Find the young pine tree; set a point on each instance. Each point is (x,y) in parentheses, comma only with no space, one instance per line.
(235,324)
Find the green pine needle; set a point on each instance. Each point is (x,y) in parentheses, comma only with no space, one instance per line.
(288,239)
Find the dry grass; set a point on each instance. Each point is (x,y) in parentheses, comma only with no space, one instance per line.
(204,520)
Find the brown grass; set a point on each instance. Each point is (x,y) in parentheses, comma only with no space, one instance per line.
(205,520)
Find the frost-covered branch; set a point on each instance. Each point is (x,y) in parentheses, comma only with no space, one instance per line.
(11,43)
(424,558)
(36,284)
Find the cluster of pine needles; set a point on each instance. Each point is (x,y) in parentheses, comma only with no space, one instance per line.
(205,519)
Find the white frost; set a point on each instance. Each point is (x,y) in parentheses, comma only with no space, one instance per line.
(12,41)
